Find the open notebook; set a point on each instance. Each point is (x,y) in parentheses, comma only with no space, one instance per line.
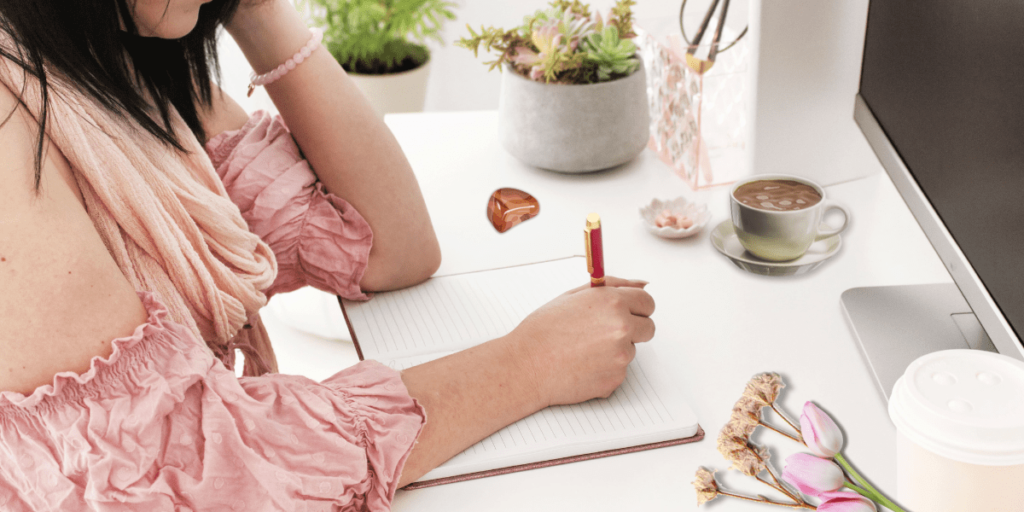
(450,313)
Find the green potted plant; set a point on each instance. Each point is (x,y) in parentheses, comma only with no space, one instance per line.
(381,44)
(573,93)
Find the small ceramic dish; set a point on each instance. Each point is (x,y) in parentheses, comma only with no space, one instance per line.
(697,212)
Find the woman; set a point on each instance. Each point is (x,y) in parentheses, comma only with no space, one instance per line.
(130,278)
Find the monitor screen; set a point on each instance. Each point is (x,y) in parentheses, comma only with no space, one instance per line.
(945,80)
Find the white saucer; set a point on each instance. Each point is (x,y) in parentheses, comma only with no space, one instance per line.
(724,238)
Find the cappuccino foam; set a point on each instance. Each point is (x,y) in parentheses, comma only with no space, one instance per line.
(777,195)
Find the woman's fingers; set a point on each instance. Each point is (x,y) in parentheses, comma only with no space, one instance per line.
(614,282)
(631,292)
(639,302)
(620,282)
(643,329)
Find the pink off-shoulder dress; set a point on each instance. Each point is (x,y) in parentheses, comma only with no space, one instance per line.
(162,425)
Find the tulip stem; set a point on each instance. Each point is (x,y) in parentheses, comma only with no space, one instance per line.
(763,424)
(860,491)
(873,493)
(762,499)
(784,418)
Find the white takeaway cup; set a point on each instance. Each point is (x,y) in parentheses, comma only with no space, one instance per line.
(959,417)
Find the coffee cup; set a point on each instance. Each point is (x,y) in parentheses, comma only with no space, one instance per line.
(959,417)
(777,217)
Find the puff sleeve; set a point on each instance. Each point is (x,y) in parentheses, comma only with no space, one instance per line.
(318,238)
(161,425)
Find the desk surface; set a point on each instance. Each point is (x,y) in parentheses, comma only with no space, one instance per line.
(716,324)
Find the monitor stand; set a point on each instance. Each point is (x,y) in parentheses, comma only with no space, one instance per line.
(897,324)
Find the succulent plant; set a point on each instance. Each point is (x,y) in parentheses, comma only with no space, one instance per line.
(574,28)
(550,55)
(564,44)
(613,56)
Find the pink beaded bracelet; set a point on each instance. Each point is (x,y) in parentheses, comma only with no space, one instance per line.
(301,55)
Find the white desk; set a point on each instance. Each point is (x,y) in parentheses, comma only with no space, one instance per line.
(717,325)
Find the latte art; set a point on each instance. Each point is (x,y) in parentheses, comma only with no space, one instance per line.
(777,195)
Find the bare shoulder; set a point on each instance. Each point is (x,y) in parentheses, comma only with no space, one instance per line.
(224,114)
(62,297)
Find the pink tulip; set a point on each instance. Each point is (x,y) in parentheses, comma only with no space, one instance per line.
(812,475)
(821,435)
(839,501)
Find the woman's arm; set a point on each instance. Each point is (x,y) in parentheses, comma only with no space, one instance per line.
(62,297)
(351,150)
(572,349)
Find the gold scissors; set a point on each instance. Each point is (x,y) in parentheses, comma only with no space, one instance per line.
(695,63)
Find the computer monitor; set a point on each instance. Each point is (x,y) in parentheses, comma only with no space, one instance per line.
(941,103)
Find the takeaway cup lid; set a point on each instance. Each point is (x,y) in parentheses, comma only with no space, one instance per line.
(965,405)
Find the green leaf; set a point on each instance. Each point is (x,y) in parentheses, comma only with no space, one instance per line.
(380,36)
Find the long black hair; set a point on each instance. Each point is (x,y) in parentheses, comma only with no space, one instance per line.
(83,41)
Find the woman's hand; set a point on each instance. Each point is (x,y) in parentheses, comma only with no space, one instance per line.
(573,348)
(578,345)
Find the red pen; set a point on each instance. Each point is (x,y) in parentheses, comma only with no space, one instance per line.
(595,253)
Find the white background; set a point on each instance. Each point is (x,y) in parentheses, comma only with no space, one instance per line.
(459,81)
(803,78)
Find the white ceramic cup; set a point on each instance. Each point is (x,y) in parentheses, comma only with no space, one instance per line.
(776,235)
(959,417)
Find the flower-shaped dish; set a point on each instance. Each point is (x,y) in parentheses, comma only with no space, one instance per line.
(697,213)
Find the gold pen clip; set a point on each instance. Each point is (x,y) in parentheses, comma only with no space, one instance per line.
(590,257)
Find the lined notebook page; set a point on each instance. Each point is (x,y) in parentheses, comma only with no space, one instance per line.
(450,313)
(638,412)
(455,312)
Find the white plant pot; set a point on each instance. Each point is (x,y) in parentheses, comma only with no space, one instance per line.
(573,128)
(395,92)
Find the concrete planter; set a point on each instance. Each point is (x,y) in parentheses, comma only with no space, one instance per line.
(395,92)
(573,128)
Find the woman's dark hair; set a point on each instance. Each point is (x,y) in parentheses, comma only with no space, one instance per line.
(83,41)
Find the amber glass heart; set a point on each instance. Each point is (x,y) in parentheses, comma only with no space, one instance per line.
(509,207)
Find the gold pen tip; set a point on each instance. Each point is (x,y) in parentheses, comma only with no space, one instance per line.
(593,221)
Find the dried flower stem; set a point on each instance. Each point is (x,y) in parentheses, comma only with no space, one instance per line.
(784,418)
(782,488)
(762,499)
(763,424)
(778,487)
